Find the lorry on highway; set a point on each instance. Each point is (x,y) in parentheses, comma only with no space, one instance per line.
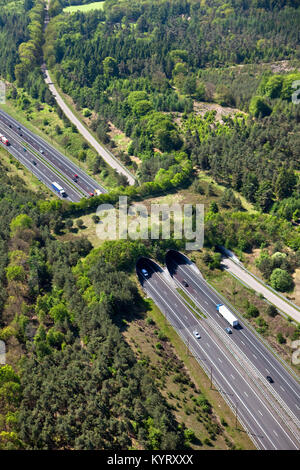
(58,189)
(4,140)
(226,313)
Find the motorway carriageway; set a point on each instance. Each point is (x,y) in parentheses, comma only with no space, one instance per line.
(51,165)
(255,409)
(285,386)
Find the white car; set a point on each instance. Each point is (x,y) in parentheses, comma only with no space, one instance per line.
(145,272)
(196,334)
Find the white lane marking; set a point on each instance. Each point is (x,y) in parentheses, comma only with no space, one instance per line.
(208,345)
(243,333)
(219,359)
(232,376)
(254,356)
(246,394)
(225,380)
(268,371)
(275,433)
(282,388)
(260,412)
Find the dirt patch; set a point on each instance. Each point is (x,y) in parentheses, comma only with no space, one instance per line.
(201,107)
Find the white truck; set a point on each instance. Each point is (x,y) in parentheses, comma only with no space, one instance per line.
(58,189)
(226,313)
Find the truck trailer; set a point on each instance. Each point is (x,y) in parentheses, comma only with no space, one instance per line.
(58,189)
(226,313)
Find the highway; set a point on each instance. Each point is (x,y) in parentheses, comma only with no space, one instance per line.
(239,385)
(45,162)
(285,386)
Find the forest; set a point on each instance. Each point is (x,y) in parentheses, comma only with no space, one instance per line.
(71,380)
(93,55)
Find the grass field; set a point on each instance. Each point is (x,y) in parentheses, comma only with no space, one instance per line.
(84,8)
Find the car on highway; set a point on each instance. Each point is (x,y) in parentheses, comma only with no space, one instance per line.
(196,334)
(185,283)
(75,178)
(269,379)
(41,151)
(33,162)
(144,272)
(228,330)
(91,194)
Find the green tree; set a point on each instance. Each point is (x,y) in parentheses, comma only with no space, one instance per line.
(281,280)
(259,107)
(110,67)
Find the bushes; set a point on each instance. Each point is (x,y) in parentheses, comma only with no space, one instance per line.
(252,311)
(281,280)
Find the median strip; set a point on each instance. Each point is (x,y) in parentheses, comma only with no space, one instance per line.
(52,168)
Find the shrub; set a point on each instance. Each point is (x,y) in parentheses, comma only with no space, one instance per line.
(280,338)
(281,280)
(252,311)
(272,311)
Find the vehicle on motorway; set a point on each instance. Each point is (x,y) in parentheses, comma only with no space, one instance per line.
(33,162)
(145,272)
(97,192)
(228,330)
(59,189)
(185,283)
(196,334)
(75,178)
(269,379)
(226,313)
(41,151)
(4,140)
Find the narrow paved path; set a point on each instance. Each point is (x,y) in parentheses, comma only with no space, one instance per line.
(102,151)
(246,278)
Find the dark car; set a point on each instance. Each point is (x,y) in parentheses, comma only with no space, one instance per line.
(228,330)
(33,162)
(75,178)
(185,283)
(269,379)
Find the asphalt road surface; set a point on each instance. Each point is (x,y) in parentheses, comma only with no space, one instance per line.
(45,162)
(256,409)
(285,386)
